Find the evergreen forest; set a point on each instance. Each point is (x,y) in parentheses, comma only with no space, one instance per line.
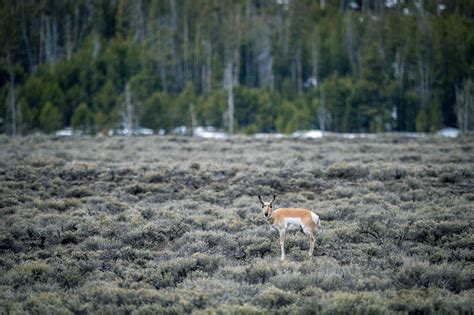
(243,66)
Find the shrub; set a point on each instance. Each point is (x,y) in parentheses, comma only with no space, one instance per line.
(69,276)
(346,171)
(210,241)
(259,272)
(422,274)
(339,212)
(235,309)
(31,272)
(9,306)
(139,189)
(69,237)
(392,172)
(418,301)
(449,177)
(100,294)
(115,207)
(159,309)
(174,271)
(429,231)
(95,243)
(344,192)
(8,201)
(275,298)
(354,303)
(79,172)
(148,235)
(293,281)
(55,204)
(258,248)
(78,192)
(45,303)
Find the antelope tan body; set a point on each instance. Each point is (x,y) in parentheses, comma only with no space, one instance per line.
(291,219)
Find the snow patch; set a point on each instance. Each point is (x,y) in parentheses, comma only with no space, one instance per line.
(209,133)
(66,132)
(268,136)
(180,130)
(135,132)
(308,134)
(448,132)
(358,135)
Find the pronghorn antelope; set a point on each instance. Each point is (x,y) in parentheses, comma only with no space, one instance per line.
(290,219)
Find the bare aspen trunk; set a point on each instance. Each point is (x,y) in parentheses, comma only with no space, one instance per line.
(314,60)
(196,55)
(95,44)
(466,113)
(49,38)
(230,101)
(164,85)
(299,74)
(75,29)
(68,37)
(236,48)
(248,66)
(293,76)
(11,98)
(207,72)
(26,39)
(185,48)
(176,46)
(461,110)
(400,67)
(41,41)
(128,110)
(282,34)
(322,113)
(464,106)
(249,56)
(86,19)
(139,21)
(425,85)
(399,75)
(228,84)
(264,56)
(353,48)
(54,39)
(193,118)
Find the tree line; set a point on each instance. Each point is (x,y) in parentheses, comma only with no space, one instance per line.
(244,66)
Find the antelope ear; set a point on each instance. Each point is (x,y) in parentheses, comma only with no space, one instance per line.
(273,199)
(260,198)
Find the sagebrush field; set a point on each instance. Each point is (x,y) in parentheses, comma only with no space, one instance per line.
(173,225)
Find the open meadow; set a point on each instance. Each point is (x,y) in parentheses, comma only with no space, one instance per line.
(173,225)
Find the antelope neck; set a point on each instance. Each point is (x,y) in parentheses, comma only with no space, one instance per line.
(270,219)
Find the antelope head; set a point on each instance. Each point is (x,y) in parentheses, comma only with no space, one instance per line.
(267,207)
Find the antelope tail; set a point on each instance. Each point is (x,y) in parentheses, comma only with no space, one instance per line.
(315,216)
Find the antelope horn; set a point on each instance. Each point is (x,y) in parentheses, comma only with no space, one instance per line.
(260,198)
(273,199)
